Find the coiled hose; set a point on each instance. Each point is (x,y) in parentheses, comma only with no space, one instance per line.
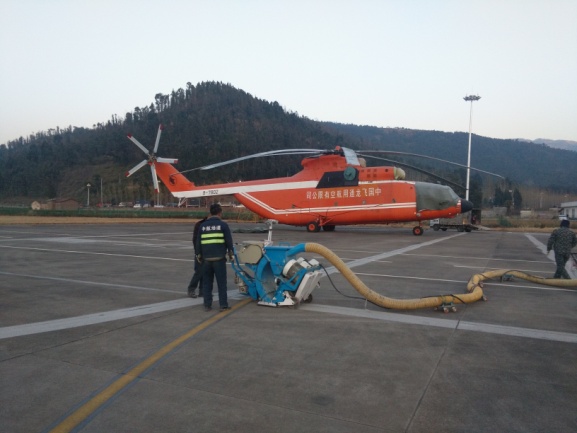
(474,286)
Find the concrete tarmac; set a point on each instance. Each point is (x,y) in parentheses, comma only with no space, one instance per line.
(97,335)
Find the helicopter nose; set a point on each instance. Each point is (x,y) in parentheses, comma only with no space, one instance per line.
(466,206)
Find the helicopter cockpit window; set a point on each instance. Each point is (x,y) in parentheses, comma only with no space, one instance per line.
(432,196)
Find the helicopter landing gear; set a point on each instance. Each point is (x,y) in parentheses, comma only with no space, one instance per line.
(316,226)
(418,230)
(313,227)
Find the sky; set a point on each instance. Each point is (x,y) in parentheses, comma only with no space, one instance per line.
(386,63)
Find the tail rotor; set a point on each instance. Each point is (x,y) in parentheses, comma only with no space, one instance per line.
(151,159)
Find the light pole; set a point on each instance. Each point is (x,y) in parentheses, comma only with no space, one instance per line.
(470,98)
(88,195)
(540,201)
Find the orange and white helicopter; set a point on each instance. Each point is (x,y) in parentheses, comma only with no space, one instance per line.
(335,187)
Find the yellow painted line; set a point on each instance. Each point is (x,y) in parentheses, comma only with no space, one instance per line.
(73,420)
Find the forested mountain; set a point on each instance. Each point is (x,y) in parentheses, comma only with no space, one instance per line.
(211,122)
(558,144)
(519,161)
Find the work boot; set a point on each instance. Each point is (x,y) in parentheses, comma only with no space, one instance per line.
(192,293)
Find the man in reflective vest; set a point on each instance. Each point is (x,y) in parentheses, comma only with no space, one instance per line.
(213,244)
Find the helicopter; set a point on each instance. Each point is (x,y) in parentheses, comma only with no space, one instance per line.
(335,187)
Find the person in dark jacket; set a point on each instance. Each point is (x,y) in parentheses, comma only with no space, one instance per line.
(561,241)
(213,245)
(196,280)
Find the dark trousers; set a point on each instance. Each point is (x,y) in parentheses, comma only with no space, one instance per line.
(210,271)
(561,260)
(196,280)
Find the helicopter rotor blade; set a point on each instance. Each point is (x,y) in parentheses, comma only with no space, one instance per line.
(281,152)
(157,138)
(429,157)
(154,178)
(168,160)
(140,146)
(136,167)
(436,176)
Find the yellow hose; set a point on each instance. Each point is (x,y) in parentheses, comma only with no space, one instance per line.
(474,287)
(479,278)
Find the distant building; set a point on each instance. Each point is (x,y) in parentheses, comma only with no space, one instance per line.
(569,210)
(57,204)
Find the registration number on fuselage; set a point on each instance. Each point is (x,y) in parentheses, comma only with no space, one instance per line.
(210,192)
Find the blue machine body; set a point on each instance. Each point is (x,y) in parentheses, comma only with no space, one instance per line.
(271,275)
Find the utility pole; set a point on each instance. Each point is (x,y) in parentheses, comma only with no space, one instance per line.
(470,98)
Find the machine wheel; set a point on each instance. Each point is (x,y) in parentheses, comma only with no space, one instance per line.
(329,228)
(308,300)
(460,229)
(436,227)
(418,230)
(444,229)
(313,226)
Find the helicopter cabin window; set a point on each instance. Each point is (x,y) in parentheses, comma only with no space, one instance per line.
(334,179)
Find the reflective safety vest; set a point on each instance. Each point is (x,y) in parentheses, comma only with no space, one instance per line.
(214,239)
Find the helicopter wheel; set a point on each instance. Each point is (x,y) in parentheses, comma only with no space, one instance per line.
(313,227)
(329,228)
(418,230)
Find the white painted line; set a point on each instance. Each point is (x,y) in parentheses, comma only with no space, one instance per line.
(91,253)
(491,259)
(540,334)
(513,331)
(377,315)
(404,277)
(488,268)
(103,317)
(92,319)
(364,261)
(487,283)
(94,283)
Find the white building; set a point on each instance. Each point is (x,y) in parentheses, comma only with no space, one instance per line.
(569,210)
